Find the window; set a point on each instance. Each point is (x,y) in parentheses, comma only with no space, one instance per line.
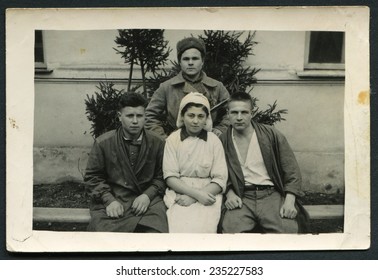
(39,58)
(40,66)
(325,50)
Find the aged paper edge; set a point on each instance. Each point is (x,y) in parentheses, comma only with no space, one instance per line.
(20,26)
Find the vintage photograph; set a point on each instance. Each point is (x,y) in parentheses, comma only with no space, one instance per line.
(230,132)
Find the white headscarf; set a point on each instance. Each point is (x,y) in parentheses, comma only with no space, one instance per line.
(197,98)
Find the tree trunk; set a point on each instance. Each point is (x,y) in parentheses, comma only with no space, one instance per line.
(130,75)
(143,79)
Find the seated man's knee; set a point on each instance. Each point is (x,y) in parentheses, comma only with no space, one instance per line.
(235,221)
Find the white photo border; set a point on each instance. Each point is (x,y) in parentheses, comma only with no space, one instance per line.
(20,26)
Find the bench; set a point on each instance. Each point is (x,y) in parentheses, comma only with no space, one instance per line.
(81,215)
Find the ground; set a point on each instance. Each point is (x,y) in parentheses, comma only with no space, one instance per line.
(72,195)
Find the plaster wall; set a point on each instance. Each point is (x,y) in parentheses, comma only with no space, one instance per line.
(314,124)
(314,128)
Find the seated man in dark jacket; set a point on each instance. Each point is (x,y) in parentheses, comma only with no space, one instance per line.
(124,174)
(264,177)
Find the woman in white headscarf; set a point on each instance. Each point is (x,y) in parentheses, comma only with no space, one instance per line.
(195,170)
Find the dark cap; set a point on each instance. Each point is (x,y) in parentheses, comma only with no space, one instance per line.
(189,43)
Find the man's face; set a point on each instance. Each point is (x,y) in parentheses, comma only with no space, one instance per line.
(191,62)
(132,119)
(240,114)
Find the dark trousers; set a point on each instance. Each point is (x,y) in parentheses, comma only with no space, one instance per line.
(260,208)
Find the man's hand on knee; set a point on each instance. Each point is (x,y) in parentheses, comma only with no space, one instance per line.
(140,204)
(288,209)
(114,209)
(233,201)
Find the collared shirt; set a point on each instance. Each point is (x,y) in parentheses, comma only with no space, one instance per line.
(253,168)
(133,148)
(138,141)
(195,158)
(184,134)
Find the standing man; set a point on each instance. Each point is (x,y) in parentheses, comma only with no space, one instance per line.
(264,177)
(124,174)
(165,103)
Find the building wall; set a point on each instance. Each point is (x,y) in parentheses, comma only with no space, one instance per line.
(314,128)
(274,50)
(80,59)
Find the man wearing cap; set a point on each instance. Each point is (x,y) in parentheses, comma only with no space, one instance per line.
(165,102)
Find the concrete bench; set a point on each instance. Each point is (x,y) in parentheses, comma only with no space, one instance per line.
(81,215)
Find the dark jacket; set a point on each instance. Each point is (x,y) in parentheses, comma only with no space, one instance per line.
(280,164)
(109,176)
(165,103)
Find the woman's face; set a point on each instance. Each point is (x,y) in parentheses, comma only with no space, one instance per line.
(194,120)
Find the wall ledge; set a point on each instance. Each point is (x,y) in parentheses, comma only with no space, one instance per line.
(119,73)
(338,74)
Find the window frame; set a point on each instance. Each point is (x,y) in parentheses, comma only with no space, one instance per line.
(322,66)
(39,64)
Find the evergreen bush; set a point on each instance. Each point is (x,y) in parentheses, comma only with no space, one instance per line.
(226,57)
(101,108)
(144,47)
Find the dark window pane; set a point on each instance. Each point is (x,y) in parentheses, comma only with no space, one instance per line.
(38,48)
(326,47)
